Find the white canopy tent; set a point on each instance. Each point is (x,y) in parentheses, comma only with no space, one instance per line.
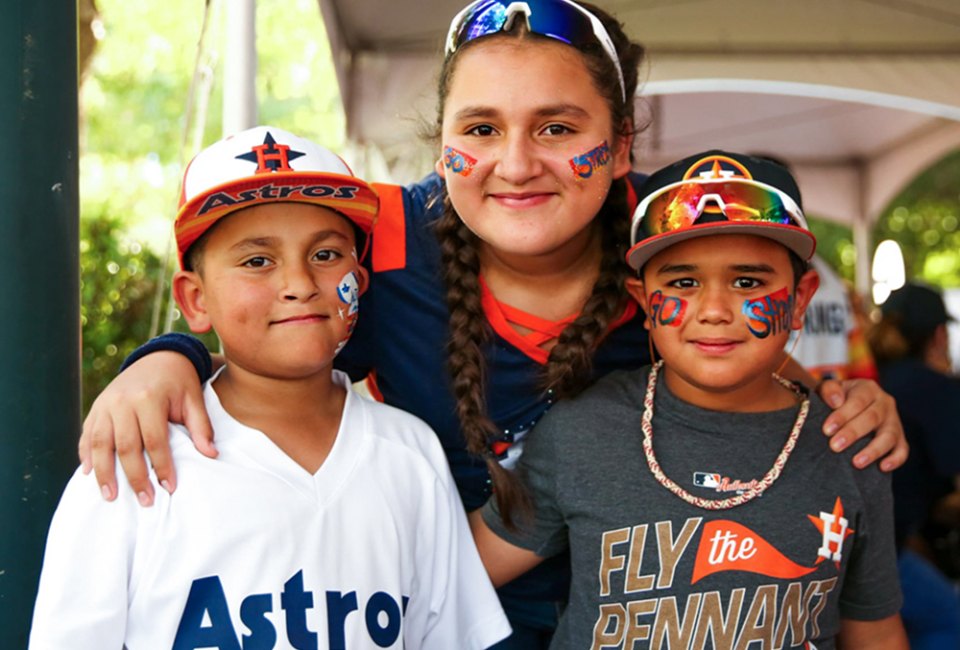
(857,95)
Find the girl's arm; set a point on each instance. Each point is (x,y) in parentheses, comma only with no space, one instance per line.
(861,407)
(502,560)
(885,634)
(130,416)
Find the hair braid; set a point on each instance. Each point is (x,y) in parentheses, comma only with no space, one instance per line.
(568,369)
(469,332)
(570,365)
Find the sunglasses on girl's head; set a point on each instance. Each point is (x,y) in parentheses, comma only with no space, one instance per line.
(681,205)
(559,19)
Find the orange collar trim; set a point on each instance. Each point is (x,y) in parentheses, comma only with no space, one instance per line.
(502,317)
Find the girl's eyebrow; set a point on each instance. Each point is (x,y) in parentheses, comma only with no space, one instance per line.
(562,109)
(552,110)
(474,112)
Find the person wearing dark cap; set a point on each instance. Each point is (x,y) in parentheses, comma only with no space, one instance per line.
(695,496)
(910,345)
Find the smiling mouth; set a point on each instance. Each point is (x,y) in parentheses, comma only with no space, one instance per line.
(520,198)
(303,319)
(716,346)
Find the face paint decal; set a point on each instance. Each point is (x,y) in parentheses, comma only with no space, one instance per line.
(457,161)
(348,291)
(770,314)
(666,310)
(585,164)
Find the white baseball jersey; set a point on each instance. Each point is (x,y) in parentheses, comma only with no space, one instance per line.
(252,551)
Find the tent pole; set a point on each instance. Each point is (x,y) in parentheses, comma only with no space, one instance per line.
(861,233)
(240,67)
(40,329)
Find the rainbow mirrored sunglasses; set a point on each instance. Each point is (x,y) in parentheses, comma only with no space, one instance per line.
(559,19)
(681,205)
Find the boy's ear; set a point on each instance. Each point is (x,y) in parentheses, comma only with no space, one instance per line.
(188,292)
(363,278)
(806,287)
(638,292)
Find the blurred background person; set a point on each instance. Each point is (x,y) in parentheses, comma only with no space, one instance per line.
(832,343)
(910,346)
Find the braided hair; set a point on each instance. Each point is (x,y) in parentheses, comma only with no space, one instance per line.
(569,367)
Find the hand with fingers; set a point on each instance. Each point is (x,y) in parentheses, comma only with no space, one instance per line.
(861,407)
(130,417)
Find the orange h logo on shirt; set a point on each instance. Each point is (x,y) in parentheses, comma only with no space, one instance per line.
(834,529)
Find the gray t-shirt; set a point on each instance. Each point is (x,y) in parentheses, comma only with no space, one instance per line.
(652,571)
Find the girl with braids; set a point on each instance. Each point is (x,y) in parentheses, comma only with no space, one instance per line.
(496,283)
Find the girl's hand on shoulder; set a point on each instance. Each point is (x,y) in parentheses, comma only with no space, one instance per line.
(862,407)
(131,416)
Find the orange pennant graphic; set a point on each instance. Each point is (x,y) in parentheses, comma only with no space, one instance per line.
(729,546)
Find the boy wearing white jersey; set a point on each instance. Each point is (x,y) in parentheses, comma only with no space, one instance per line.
(328,520)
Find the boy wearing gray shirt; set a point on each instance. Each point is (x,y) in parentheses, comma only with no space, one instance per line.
(700,504)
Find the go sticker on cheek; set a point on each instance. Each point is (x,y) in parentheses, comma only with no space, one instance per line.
(666,310)
(586,163)
(457,161)
(770,314)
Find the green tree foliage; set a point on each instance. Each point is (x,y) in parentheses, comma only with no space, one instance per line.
(835,246)
(117,285)
(925,220)
(134,98)
(133,117)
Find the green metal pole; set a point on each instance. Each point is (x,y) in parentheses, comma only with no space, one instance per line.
(39,290)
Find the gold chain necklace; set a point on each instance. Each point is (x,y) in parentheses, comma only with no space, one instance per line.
(731,502)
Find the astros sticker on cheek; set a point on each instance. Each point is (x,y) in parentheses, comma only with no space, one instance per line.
(457,161)
(666,310)
(586,163)
(770,314)
(348,291)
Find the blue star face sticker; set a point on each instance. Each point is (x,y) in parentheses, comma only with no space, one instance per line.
(270,156)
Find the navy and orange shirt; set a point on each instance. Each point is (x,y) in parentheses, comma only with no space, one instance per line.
(401,338)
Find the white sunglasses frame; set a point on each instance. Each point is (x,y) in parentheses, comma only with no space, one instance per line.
(515,8)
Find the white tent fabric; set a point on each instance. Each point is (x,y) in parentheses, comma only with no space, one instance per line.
(857,95)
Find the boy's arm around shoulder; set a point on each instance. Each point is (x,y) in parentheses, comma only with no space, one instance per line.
(502,560)
(88,563)
(510,551)
(884,634)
